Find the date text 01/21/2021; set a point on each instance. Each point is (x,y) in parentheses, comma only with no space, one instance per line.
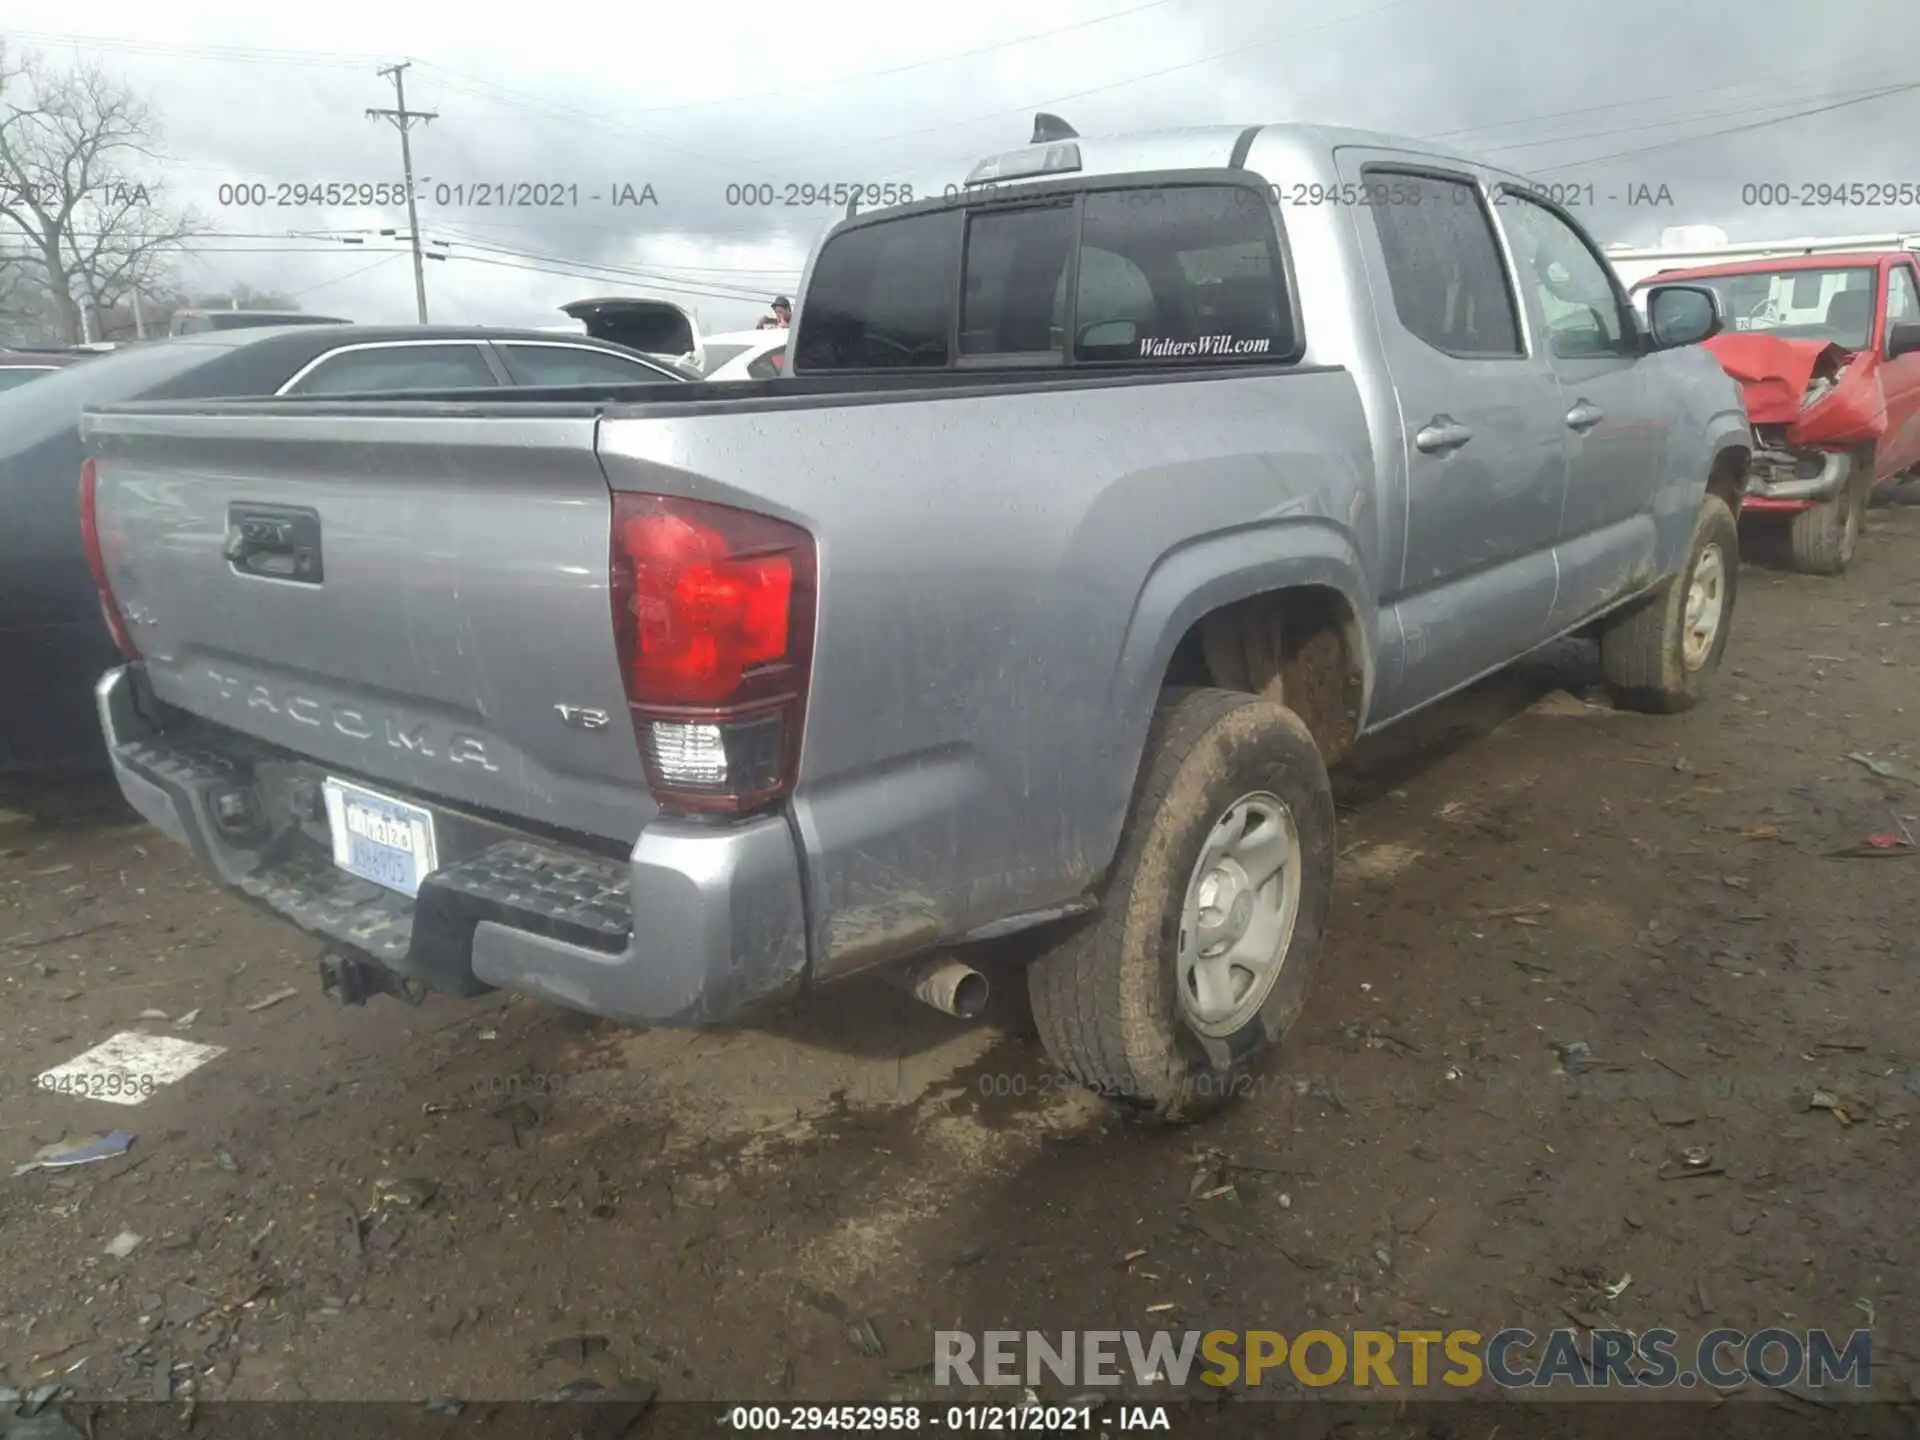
(960,1419)
(441,194)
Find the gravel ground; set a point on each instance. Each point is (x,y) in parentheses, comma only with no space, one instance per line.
(1570,946)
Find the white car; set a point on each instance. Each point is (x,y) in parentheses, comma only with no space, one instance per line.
(745,355)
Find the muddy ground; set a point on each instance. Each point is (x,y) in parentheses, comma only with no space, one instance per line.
(791,1211)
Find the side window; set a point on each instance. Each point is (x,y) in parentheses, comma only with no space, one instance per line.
(1903,296)
(1015,267)
(1576,289)
(576,365)
(398,367)
(1443,267)
(769,366)
(881,296)
(1181,272)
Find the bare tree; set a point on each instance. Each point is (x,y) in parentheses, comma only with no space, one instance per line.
(94,234)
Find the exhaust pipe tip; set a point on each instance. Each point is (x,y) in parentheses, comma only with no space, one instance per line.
(948,985)
(970,995)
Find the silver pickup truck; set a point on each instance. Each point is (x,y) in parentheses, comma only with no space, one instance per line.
(1111,496)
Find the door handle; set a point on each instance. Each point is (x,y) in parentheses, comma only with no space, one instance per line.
(1441,435)
(1584,416)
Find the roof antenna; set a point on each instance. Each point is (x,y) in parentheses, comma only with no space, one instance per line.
(1051,127)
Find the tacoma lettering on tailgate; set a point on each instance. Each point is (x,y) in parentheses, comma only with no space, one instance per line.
(418,737)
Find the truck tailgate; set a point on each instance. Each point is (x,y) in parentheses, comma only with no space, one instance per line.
(415,599)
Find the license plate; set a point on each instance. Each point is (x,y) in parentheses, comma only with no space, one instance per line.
(380,838)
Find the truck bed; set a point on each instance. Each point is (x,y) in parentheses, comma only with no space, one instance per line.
(1004,566)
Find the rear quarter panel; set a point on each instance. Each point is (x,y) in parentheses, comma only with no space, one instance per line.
(1003,576)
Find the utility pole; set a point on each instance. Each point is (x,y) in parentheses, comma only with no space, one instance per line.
(403,119)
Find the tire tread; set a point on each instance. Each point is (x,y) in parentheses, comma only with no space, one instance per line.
(1080,991)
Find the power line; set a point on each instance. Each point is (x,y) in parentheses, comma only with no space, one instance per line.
(862,77)
(1738,129)
(309,289)
(1749,83)
(403,119)
(1847,97)
(518,99)
(574,274)
(355,239)
(623,272)
(572,271)
(1141,78)
(649,268)
(237,250)
(246,54)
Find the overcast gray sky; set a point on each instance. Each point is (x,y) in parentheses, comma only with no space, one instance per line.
(694,99)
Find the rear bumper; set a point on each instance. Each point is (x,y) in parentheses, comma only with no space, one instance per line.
(696,924)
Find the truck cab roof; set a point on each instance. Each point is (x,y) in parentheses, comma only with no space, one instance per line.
(1270,149)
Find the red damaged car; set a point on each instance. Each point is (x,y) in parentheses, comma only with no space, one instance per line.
(1827,351)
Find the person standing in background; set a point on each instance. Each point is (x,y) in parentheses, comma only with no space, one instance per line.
(781,317)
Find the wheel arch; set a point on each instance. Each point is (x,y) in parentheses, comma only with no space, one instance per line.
(1198,594)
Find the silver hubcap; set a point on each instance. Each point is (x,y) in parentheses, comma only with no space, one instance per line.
(1706,604)
(1237,924)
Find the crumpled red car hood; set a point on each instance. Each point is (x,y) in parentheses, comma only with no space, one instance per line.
(1774,375)
(1773,372)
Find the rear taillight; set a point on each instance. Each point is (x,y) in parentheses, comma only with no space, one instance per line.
(713,613)
(96,562)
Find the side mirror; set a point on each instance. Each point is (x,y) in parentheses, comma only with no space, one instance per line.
(1903,339)
(1108,335)
(1682,315)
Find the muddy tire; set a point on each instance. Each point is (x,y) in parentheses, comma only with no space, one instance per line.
(1658,655)
(1821,540)
(1169,999)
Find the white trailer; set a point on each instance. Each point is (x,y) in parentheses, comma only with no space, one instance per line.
(1683,246)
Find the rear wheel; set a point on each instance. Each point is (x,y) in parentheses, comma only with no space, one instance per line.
(1659,654)
(1822,540)
(1204,951)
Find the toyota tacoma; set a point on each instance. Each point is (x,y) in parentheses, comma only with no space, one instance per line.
(1110,497)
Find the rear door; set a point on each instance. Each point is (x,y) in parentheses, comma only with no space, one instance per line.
(1481,415)
(1900,380)
(1614,426)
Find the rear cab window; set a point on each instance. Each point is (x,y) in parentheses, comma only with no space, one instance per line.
(1119,271)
